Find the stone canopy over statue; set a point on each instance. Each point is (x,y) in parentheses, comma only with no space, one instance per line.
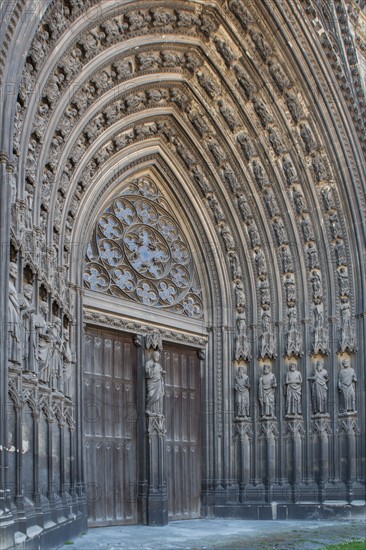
(154,374)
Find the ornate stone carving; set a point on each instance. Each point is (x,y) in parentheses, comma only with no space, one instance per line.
(289,170)
(14,320)
(242,387)
(228,113)
(242,343)
(320,333)
(279,76)
(245,81)
(261,44)
(319,389)
(276,141)
(139,253)
(245,210)
(267,391)
(153,340)
(262,112)
(155,389)
(243,15)
(294,340)
(239,295)
(267,343)
(236,272)
(293,389)
(307,138)
(347,388)
(346,329)
(260,174)
(294,106)
(246,144)
(209,85)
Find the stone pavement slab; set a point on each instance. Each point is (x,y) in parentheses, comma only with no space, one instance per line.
(206,534)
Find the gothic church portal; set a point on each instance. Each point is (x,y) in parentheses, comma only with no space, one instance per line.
(183,261)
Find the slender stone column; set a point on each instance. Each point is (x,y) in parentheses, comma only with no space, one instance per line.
(322,431)
(243,427)
(295,427)
(348,426)
(270,433)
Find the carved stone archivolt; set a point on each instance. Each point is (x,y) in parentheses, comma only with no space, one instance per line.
(254,233)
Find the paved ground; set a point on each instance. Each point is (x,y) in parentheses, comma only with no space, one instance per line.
(222,534)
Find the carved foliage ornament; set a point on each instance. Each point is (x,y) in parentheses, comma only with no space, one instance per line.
(140,253)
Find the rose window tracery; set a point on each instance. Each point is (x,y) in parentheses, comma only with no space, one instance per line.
(140,253)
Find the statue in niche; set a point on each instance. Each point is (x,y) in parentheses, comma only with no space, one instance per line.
(328,199)
(231,178)
(294,106)
(319,388)
(244,81)
(267,391)
(30,326)
(316,286)
(227,237)
(44,345)
(264,292)
(241,341)
(276,142)
(56,356)
(313,258)
(68,361)
(279,76)
(267,338)
(299,201)
(293,335)
(307,229)
(335,226)
(307,137)
(260,264)
(260,174)
(229,114)
(346,329)
(271,203)
(242,387)
(235,266)
(261,110)
(226,52)
(154,374)
(216,208)
(208,84)
(202,181)
(245,210)
(319,167)
(293,381)
(239,295)
(198,122)
(347,387)
(320,344)
(340,252)
(287,263)
(217,151)
(343,281)
(14,339)
(254,236)
(264,49)
(280,232)
(289,170)
(290,289)
(246,143)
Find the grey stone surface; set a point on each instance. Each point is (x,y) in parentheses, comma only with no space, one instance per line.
(225,534)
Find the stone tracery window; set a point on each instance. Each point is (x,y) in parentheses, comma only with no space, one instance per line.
(140,253)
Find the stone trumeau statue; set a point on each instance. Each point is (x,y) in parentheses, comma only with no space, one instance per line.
(319,388)
(266,391)
(347,388)
(154,374)
(14,340)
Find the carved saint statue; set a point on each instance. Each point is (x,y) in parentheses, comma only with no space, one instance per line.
(242,387)
(241,340)
(44,346)
(293,381)
(267,390)
(14,341)
(319,389)
(347,387)
(155,385)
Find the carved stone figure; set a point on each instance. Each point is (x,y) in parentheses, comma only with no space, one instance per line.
(14,333)
(346,329)
(294,106)
(154,374)
(244,81)
(226,52)
(56,355)
(320,168)
(316,286)
(289,170)
(262,111)
(254,235)
(241,13)
(262,46)
(68,362)
(343,281)
(307,137)
(299,201)
(235,266)
(271,203)
(347,387)
(227,237)
(231,178)
(246,144)
(320,339)
(267,391)
(280,232)
(264,292)
(242,343)
(242,387)
(44,346)
(260,174)
(260,264)
(239,295)
(328,199)
(202,181)
(217,151)
(279,76)
(293,382)
(276,142)
(335,226)
(340,252)
(245,210)
(290,289)
(198,122)
(266,338)
(313,258)
(229,114)
(294,345)
(208,84)
(307,229)
(319,389)
(216,209)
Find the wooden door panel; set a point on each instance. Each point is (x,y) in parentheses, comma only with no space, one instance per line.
(182,381)
(110,427)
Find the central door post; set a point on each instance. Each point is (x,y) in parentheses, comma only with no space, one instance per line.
(157,498)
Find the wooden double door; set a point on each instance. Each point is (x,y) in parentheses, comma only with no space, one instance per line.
(115,438)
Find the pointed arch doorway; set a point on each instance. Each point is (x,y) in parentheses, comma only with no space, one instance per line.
(142,295)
